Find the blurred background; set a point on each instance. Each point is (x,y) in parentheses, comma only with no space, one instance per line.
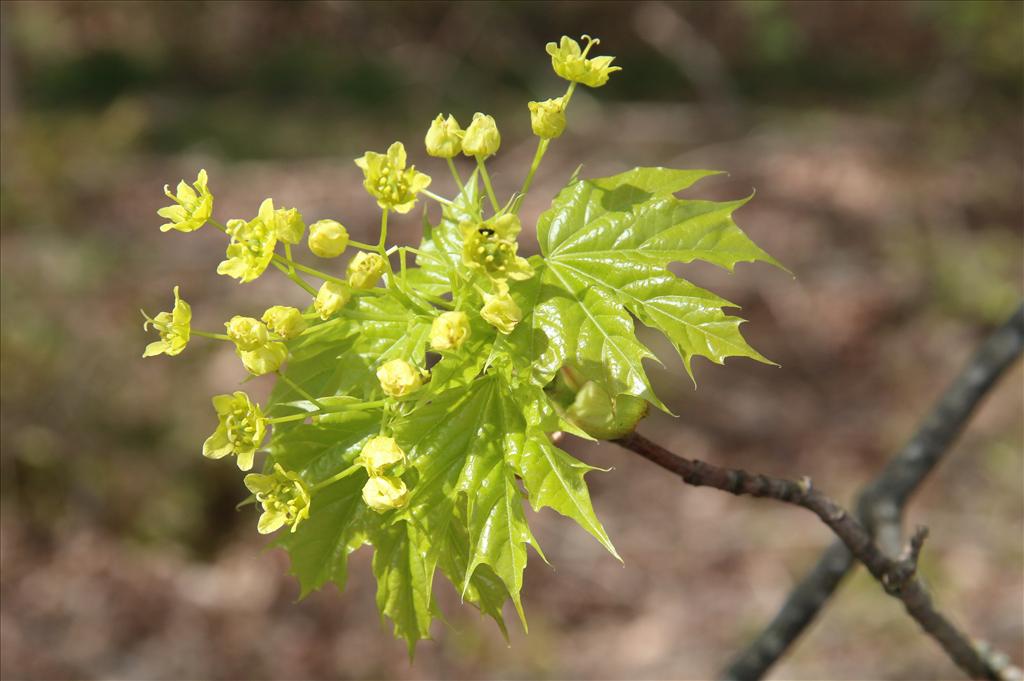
(885,144)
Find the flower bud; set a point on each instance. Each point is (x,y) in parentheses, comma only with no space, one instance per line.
(247,333)
(500,311)
(449,331)
(398,378)
(547,118)
(332,296)
(444,138)
(482,137)
(264,360)
(365,269)
(383,493)
(380,454)
(286,322)
(327,238)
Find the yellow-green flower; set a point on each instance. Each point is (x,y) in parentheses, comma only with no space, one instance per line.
(383,493)
(284,497)
(286,322)
(327,238)
(449,331)
(285,223)
(240,430)
(398,378)
(332,296)
(388,180)
(174,328)
(491,247)
(265,359)
(571,63)
(365,269)
(192,207)
(482,137)
(547,118)
(247,333)
(250,251)
(500,311)
(380,454)
(444,138)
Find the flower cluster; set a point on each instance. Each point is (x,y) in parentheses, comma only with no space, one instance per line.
(479,286)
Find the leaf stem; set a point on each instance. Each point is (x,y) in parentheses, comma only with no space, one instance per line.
(336,477)
(487,183)
(309,270)
(293,417)
(215,336)
(455,174)
(542,148)
(293,276)
(297,388)
(439,199)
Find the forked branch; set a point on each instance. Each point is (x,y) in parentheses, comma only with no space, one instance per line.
(897,575)
(881,502)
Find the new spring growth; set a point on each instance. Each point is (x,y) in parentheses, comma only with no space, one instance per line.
(332,296)
(240,430)
(444,138)
(398,378)
(247,333)
(571,63)
(490,247)
(380,454)
(365,270)
(482,138)
(449,331)
(327,238)
(192,207)
(383,493)
(388,180)
(284,497)
(174,327)
(547,118)
(499,310)
(286,322)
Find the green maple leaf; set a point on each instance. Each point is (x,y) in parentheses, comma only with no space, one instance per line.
(607,244)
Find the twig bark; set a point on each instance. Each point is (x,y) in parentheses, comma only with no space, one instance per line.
(897,576)
(881,502)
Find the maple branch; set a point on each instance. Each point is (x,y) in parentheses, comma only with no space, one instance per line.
(897,575)
(881,502)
